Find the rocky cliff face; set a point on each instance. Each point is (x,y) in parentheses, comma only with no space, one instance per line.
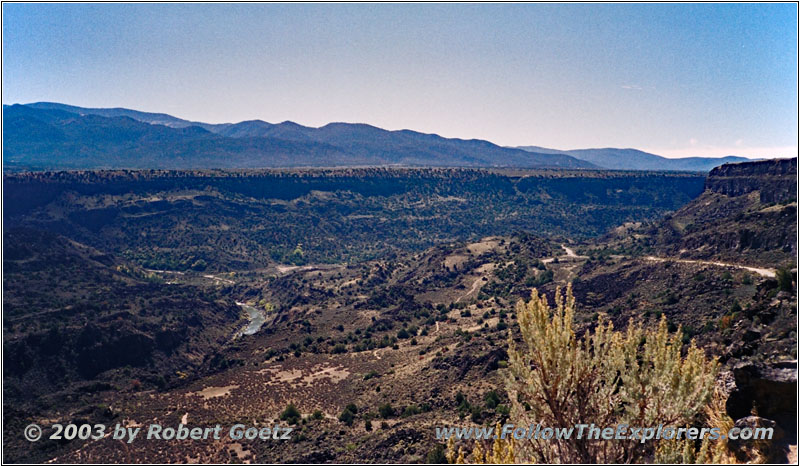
(747,214)
(775,180)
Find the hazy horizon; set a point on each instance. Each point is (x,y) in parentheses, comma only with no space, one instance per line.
(676,80)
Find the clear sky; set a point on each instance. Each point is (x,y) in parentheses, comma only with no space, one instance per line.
(674,79)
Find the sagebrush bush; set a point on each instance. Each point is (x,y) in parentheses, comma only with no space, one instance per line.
(637,377)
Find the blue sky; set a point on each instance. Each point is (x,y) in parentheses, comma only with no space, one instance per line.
(675,79)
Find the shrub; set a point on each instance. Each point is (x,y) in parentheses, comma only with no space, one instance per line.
(386,410)
(784,277)
(436,455)
(725,322)
(347,417)
(290,415)
(637,378)
(492,399)
(501,452)
(569,381)
(411,410)
(476,414)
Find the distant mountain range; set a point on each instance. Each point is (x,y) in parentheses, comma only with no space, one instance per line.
(57,136)
(47,135)
(634,159)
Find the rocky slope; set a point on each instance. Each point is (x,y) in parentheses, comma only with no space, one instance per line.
(79,323)
(224,220)
(775,180)
(374,354)
(747,213)
(696,268)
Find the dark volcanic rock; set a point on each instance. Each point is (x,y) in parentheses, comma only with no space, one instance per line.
(315,457)
(770,390)
(776,179)
(747,214)
(463,362)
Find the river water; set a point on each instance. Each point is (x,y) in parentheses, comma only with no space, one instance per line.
(257,318)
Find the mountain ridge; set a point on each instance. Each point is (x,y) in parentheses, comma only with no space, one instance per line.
(56,136)
(635,159)
(350,144)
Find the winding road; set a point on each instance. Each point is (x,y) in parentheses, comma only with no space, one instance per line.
(764,272)
(210,276)
(570,253)
(760,271)
(473,289)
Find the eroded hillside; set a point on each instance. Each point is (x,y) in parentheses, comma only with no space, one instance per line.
(372,354)
(223,221)
(746,212)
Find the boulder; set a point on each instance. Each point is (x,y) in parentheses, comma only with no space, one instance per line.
(772,448)
(770,390)
(751,335)
(754,421)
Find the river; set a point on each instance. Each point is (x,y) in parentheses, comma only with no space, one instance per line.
(257,318)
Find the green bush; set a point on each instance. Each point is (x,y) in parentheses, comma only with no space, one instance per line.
(290,415)
(436,455)
(347,417)
(492,399)
(784,277)
(411,410)
(386,411)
